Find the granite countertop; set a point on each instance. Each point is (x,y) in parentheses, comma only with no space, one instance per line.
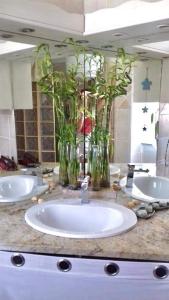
(149,240)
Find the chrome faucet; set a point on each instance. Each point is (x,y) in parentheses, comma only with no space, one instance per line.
(130,176)
(166,154)
(84,190)
(38,172)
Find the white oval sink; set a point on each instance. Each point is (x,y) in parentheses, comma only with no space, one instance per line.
(147,188)
(20,187)
(72,219)
(114,170)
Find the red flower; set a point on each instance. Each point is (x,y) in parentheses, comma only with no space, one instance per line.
(86,126)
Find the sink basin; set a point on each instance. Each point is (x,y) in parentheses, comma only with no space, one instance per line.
(114,170)
(148,188)
(20,187)
(70,218)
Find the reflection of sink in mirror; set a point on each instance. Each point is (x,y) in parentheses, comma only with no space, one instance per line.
(114,170)
(20,187)
(70,218)
(147,188)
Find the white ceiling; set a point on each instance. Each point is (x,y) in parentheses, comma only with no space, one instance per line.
(140,34)
(72,6)
(161,47)
(7,47)
(86,6)
(129,13)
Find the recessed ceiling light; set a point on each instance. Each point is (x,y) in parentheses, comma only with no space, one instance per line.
(6,36)
(11,47)
(140,40)
(27,30)
(144,59)
(106,47)
(163,26)
(82,41)
(141,52)
(60,45)
(117,34)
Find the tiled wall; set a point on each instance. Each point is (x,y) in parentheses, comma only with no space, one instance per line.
(129,149)
(7,134)
(150,69)
(120,122)
(163,134)
(164,113)
(122,125)
(143,144)
(35,129)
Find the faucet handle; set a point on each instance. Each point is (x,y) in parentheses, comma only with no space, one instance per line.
(84,186)
(131,167)
(84,190)
(39,173)
(86,179)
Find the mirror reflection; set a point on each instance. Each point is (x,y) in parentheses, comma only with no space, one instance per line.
(125,120)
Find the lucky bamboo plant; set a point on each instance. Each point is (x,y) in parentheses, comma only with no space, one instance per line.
(63,89)
(103,93)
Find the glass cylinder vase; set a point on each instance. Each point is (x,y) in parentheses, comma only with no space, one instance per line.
(73,167)
(104,165)
(89,158)
(63,164)
(95,168)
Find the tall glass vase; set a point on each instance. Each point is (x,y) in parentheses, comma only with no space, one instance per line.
(105,166)
(73,167)
(89,158)
(95,168)
(63,163)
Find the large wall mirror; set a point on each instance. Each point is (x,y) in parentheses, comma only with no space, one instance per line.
(135,134)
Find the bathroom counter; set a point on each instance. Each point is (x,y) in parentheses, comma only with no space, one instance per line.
(149,240)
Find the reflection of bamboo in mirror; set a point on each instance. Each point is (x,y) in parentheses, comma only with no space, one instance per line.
(64,90)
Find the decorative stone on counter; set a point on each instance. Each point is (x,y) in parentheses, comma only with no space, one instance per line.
(34,199)
(40,200)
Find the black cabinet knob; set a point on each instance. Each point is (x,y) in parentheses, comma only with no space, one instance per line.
(111,269)
(64,265)
(161,272)
(17,260)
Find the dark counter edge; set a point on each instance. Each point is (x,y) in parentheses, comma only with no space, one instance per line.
(86,257)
